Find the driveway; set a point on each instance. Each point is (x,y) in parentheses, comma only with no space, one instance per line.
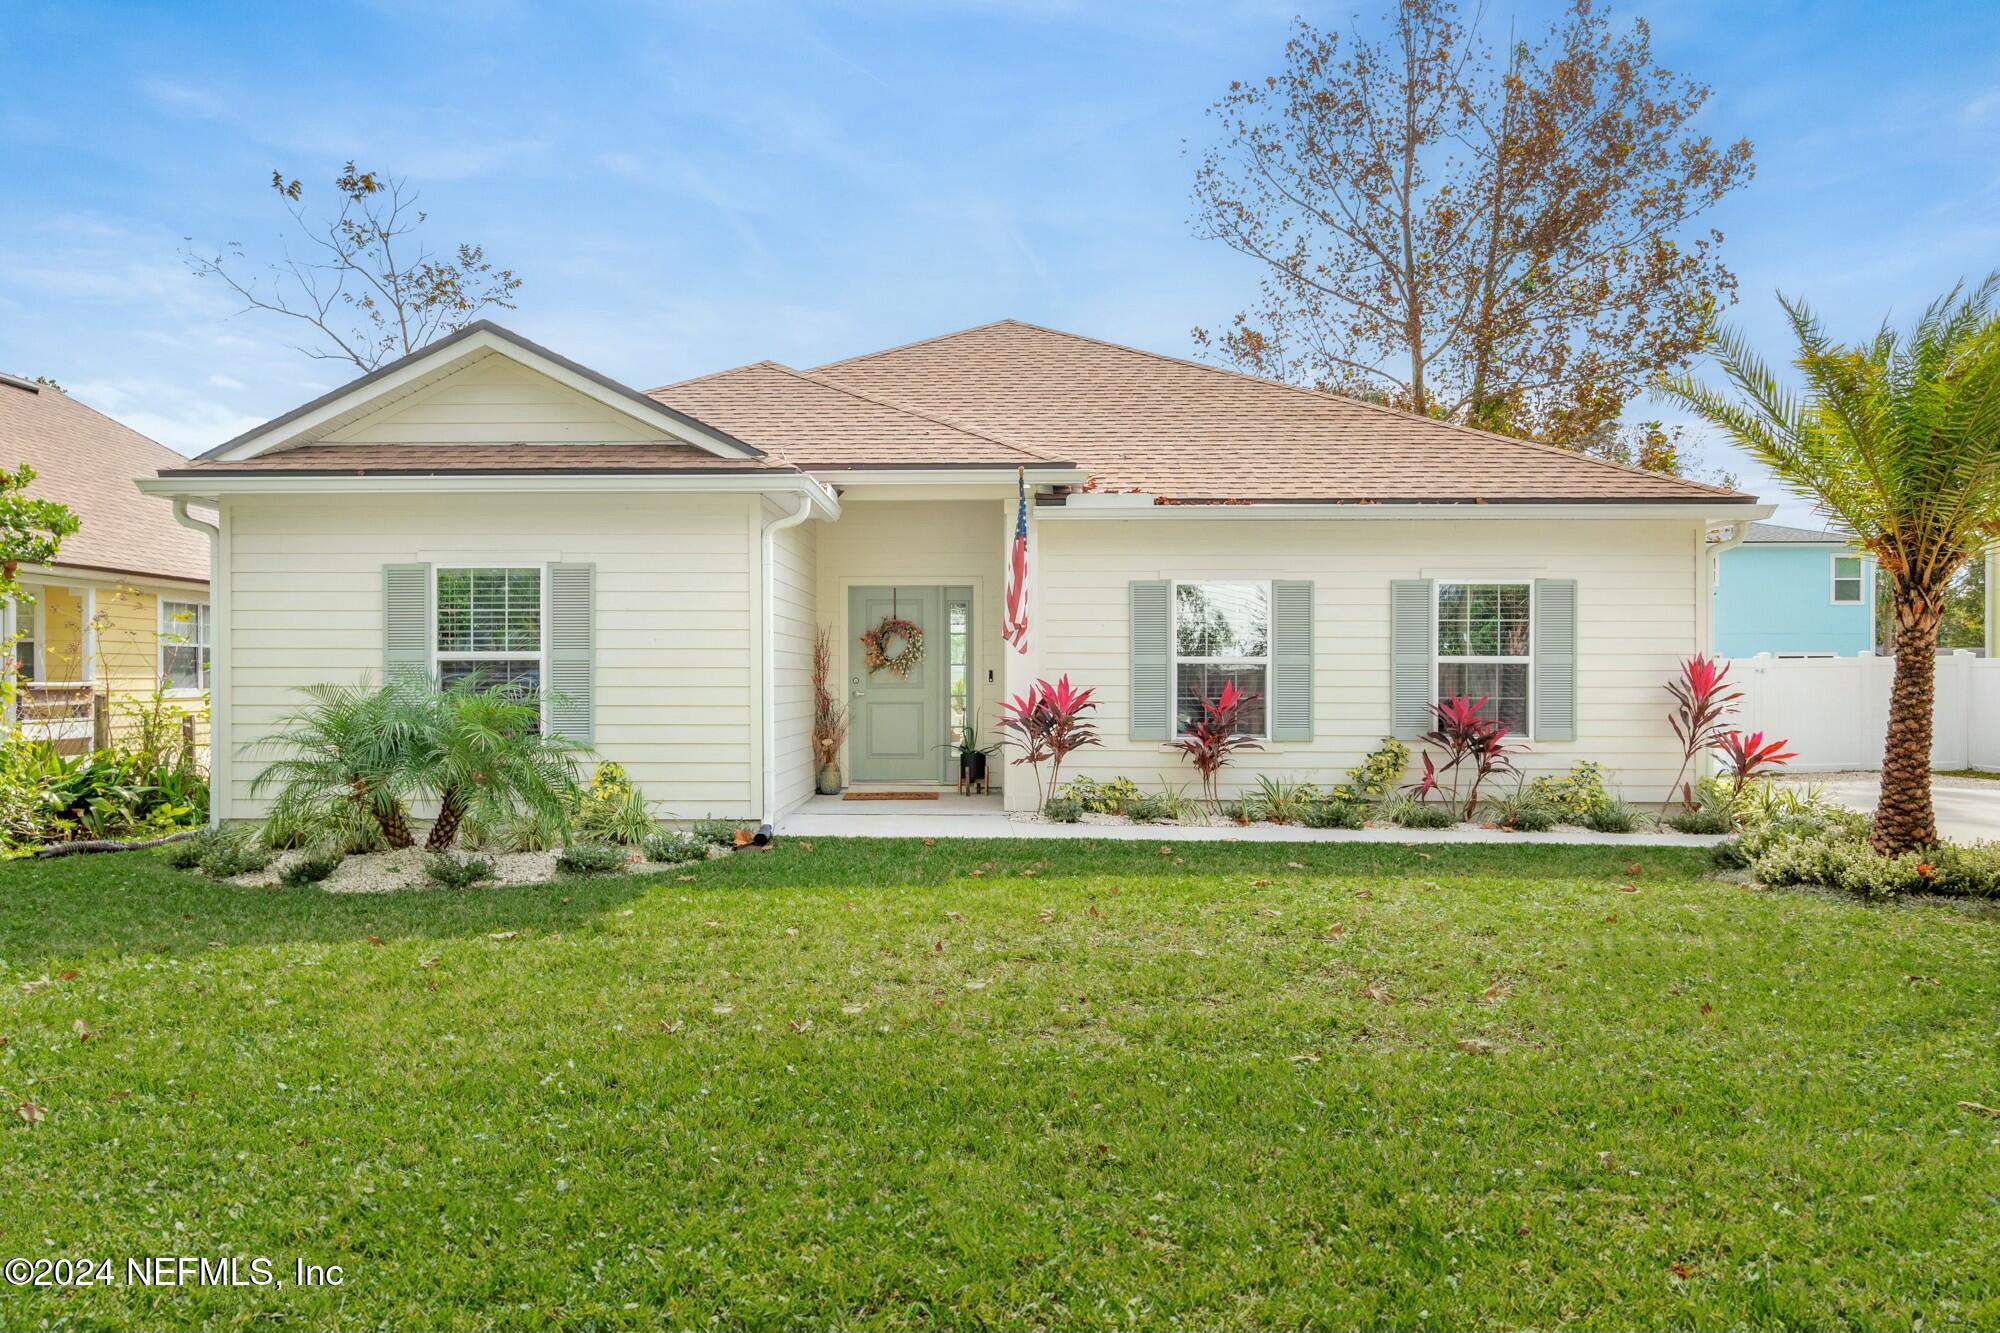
(1968,809)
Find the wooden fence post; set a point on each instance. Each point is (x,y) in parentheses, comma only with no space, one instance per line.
(100,720)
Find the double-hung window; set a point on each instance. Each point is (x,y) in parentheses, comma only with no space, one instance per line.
(184,645)
(489,625)
(1222,634)
(1846,580)
(1485,647)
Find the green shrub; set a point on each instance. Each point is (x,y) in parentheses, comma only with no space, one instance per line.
(347,825)
(593,858)
(1285,802)
(1419,814)
(1525,813)
(716,832)
(1971,872)
(456,871)
(315,865)
(1335,812)
(47,797)
(1243,810)
(1574,795)
(1062,810)
(231,853)
(1101,798)
(673,847)
(1611,816)
(187,853)
(1708,817)
(1375,778)
(613,810)
(1147,809)
(1180,806)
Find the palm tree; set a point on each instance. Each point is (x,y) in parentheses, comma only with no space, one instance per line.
(1897,439)
(483,753)
(344,747)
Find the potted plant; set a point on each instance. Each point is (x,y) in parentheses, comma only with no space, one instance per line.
(971,760)
(829,725)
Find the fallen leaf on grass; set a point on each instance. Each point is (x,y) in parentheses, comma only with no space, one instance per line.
(1707,1008)
(975,985)
(1294,865)
(1045,916)
(1476,1046)
(673,1027)
(803,846)
(722,1010)
(1269,911)
(1334,932)
(84,1031)
(938,947)
(30,987)
(215,944)
(1166,850)
(1377,992)
(1634,869)
(954,916)
(1606,1162)
(1309,1058)
(427,962)
(375,940)
(1610,918)
(1260,883)
(1628,888)
(116,1096)
(683,879)
(1681,1271)
(1980,1108)
(930,842)
(1027,874)
(1921,981)
(791,932)
(976,874)
(505,935)
(801,1025)
(70,975)
(852,1009)
(1363,893)
(31,1113)
(1495,993)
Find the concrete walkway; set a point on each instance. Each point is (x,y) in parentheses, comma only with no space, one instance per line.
(955,816)
(1968,809)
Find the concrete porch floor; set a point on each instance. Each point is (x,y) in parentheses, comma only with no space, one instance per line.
(949,816)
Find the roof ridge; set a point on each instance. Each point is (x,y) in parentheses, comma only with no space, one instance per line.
(813,377)
(718,374)
(64,396)
(925,342)
(1318,394)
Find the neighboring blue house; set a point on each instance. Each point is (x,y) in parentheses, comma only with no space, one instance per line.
(1793,590)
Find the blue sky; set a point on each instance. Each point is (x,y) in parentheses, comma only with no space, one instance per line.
(691,186)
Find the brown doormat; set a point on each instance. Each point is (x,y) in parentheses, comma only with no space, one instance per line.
(890,796)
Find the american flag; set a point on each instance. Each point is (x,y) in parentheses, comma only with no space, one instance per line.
(1016,631)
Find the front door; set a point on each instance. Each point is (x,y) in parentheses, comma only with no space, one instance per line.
(896,723)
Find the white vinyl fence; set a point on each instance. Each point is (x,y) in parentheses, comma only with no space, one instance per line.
(1835,710)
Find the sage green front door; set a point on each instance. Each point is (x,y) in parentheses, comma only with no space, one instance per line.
(896,723)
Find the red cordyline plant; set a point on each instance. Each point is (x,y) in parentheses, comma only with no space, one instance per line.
(1213,738)
(1046,725)
(1702,699)
(1749,756)
(1471,743)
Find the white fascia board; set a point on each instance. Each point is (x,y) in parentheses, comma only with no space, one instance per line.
(1142,509)
(72,576)
(214,487)
(422,367)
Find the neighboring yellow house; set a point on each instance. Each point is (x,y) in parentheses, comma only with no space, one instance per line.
(119,626)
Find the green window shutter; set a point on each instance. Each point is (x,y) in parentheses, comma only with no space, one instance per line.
(1555,659)
(406,620)
(1292,660)
(571,688)
(1152,659)
(1412,656)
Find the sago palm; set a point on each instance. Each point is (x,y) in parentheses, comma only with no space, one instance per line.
(344,747)
(1898,440)
(482,753)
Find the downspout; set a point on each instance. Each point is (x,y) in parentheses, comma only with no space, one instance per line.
(215,729)
(770,664)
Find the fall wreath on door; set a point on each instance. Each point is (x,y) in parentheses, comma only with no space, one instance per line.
(876,642)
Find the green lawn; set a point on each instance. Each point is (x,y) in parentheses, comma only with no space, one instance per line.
(1056,1084)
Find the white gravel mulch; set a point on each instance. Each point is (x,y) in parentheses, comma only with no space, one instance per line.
(386,872)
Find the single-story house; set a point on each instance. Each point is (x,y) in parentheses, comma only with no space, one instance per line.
(660,561)
(125,609)
(1793,592)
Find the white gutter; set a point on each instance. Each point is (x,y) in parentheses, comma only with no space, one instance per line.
(763,481)
(770,663)
(1131,508)
(215,711)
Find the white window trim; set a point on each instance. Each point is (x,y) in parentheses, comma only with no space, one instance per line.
(1834,576)
(1439,659)
(1174,658)
(541,657)
(163,627)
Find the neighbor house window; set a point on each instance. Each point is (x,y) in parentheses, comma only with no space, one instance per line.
(1846,580)
(184,645)
(1485,649)
(489,625)
(1222,633)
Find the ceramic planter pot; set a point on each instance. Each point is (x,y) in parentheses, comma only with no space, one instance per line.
(971,770)
(829,780)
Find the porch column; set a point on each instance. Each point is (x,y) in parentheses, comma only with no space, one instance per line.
(1020,670)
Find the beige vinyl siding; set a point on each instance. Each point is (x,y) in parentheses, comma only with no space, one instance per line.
(795,577)
(676,594)
(494,400)
(948,543)
(1636,618)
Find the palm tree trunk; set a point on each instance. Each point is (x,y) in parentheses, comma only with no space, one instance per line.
(444,832)
(1904,820)
(395,826)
